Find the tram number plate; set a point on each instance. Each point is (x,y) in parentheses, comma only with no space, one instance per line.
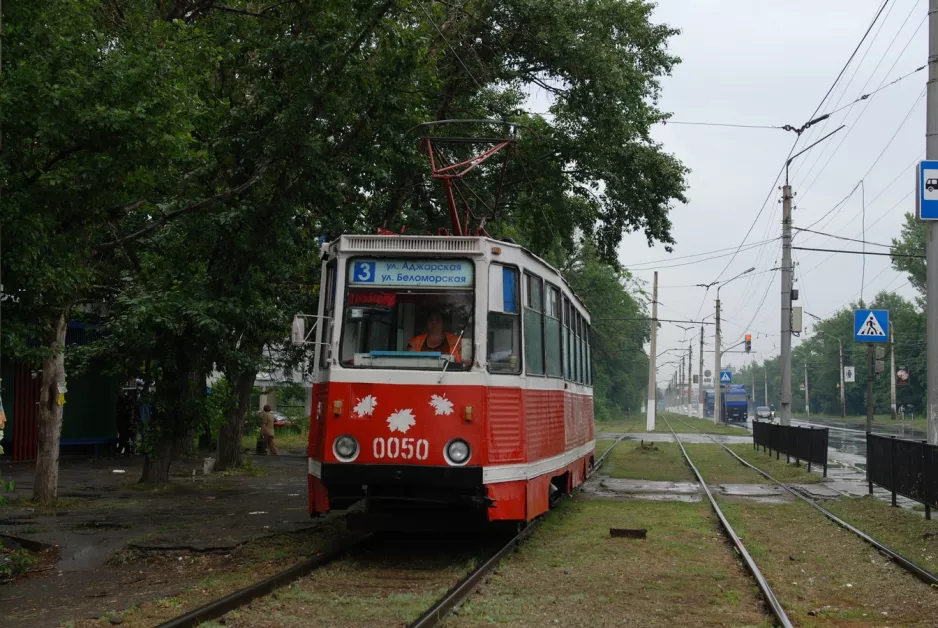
(406,448)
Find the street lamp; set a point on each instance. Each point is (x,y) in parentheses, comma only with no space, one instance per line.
(840,343)
(716,349)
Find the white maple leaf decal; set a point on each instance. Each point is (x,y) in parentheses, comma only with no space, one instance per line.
(366,406)
(401,420)
(441,405)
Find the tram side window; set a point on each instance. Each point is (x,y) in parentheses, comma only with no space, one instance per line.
(552,332)
(580,371)
(589,356)
(566,338)
(504,323)
(534,325)
(328,312)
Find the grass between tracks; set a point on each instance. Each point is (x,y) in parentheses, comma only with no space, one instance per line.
(824,575)
(377,585)
(663,461)
(571,573)
(636,425)
(907,532)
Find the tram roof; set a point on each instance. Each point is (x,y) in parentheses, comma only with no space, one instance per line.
(447,245)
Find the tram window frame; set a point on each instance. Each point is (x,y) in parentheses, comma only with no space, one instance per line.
(553,365)
(328,313)
(516,316)
(533,318)
(454,367)
(581,370)
(574,343)
(565,331)
(589,355)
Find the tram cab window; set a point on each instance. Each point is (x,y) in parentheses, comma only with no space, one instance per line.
(409,313)
(504,320)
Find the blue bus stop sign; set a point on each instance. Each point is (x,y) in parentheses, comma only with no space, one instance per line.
(926,199)
(871,325)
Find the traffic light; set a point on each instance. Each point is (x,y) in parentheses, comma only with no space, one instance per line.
(748,343)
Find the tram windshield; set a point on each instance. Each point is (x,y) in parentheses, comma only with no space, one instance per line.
(407,313)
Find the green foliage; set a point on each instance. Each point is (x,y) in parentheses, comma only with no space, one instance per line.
(911,241)
(14,562)
(821,352)
(619,361)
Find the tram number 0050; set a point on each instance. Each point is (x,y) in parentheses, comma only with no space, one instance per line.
(406,448)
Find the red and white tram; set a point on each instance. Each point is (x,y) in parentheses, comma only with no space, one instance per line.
(491,414)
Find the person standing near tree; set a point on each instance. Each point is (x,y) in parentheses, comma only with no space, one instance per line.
(267,431)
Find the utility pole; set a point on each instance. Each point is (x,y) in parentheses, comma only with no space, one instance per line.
(843,394)
(716,365)
(652,384)
(892,371)
(690,378)
(700,389)
(931,228)
(807,400)
(765,374)
(754,404)
(869,387)
(680,384)
(785,410)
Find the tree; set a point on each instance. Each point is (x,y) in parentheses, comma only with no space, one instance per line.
(911,243)
(90,140)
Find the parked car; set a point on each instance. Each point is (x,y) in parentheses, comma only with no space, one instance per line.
(763,412)
(280,419)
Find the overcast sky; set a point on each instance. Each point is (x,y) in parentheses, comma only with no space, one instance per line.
(770,63)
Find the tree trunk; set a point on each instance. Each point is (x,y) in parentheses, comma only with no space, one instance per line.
(229,436)
(156,463)
(45,486)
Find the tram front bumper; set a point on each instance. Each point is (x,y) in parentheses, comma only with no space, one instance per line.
(429,484)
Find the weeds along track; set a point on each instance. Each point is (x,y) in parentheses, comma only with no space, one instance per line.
(379,578)
(791,545)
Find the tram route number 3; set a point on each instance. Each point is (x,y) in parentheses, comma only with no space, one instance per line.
(406,448)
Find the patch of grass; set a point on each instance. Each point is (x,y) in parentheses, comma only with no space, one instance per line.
(682,424)
(248,468)
(651,461)
(815,567)
(62,504)
(15,562)
(908,533)
(790,473)
(571,573)
(879,420)
(283,438)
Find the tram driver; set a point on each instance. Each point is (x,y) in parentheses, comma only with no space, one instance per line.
(436,339)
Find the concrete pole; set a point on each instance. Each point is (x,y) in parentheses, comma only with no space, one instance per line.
(843,394)
(680,384)
(716,366)
(869,388)
(931,227)
(753,373)
(701,396)
(652,384)
(892,371)
(690,377)
(807,399)
(765,375)
(785,361)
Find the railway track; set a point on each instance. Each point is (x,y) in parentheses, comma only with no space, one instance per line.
(430,617)
(768,594)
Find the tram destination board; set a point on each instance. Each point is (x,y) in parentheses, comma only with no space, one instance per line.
(421,273)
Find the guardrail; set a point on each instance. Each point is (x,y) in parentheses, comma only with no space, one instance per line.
(801,443)
(903,467)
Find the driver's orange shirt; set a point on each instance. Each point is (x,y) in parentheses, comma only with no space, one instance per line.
(419,343)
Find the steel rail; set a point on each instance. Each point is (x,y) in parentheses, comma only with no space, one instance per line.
(922,574)
(767,592)
(462,589)
(241,597)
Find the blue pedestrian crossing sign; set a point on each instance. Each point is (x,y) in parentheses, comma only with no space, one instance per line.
(726,377)
(871,325)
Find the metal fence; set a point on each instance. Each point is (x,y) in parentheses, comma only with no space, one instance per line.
(903,467)
(801,443)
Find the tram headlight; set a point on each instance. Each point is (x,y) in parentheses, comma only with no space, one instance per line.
(345,448)
(458,452)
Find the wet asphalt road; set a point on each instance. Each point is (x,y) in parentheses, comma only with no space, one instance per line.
(847,439)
